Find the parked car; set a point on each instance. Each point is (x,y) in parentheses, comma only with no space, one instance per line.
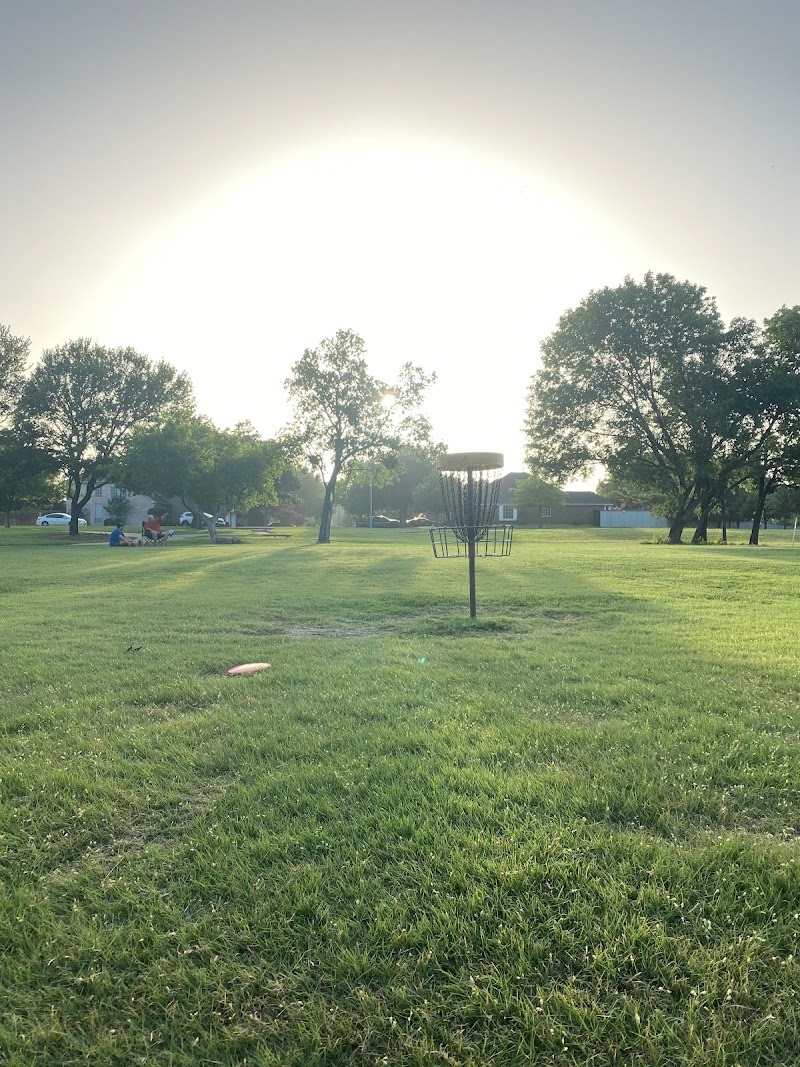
(187,516)
(57,518)
(380,521)
(419,520)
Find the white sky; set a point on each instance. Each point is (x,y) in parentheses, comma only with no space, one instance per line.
(223,185)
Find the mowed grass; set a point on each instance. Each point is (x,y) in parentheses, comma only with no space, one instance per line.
(564,833)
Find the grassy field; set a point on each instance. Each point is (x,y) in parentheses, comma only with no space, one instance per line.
(567,832)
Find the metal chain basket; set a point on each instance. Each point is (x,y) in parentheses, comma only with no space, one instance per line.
(470,483)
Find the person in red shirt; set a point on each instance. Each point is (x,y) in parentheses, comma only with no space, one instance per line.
(152,529)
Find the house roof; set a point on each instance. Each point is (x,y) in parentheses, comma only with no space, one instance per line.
(572,498)
(585,498)
(509,481)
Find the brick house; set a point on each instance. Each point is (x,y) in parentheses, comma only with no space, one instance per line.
(580,507)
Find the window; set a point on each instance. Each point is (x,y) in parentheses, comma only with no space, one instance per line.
(507,513)
(547,513)
(98,493)
(118,492)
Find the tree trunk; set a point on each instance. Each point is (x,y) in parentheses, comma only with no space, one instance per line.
(700,536)
(7,519)
(676,530)
(701,533)
(327,512)
(211,526)
(723,520)
(683,516)
(759,512)
(74,512)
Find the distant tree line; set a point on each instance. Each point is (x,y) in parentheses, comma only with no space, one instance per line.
(693,419)
(86,416)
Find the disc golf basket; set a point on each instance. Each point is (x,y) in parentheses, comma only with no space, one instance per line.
(470,483)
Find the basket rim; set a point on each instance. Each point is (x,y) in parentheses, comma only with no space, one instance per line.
(469,461)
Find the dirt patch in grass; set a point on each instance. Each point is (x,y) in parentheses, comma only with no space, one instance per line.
(511,624)
(346,632)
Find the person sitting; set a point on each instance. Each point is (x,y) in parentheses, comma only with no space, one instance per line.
(119,539)
(152,529)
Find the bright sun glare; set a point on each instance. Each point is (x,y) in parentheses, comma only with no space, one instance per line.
(431,255)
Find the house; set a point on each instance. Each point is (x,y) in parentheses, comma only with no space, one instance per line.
(96,507)
(580,507)
(508,511)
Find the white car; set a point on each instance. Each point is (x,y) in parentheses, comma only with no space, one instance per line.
(57,518)
(186,519)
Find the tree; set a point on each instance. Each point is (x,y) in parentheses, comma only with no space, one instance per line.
(213,471)
(309,496)
(344,416)
(367,486)
(83,401)
(646,380)
(119,508)
(622,492)
(13,358)
(777,462)
(395,483)
(427,497)
(785,504)
(26,474)
(534,492)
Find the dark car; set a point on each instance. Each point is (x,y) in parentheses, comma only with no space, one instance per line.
(378,522)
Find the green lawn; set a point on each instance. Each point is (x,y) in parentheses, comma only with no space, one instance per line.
(564,833)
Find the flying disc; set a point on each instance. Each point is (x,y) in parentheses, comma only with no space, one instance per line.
(248,668)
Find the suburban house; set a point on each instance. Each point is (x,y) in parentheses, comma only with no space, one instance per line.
(96,507)
(580,508)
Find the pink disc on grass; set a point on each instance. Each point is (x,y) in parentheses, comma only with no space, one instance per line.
(249,668)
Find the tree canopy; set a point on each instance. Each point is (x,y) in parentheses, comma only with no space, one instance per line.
(777,462)
(82,402)
(535,492)
(646,379)
(212,471)
(344,415)
(13,358)
(397,484)
(27,474)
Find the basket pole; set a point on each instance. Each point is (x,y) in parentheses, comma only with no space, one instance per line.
(473,607)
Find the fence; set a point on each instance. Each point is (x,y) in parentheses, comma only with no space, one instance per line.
(20,518)
(632,518)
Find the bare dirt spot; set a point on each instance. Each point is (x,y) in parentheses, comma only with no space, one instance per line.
(343,632)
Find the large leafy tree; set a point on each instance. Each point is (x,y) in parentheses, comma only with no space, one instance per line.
(14,353)
(212,471)
(345,416)
(27,474)
(777,462)
(83,401)
(646,379)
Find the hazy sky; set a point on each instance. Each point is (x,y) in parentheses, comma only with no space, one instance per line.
(224,184)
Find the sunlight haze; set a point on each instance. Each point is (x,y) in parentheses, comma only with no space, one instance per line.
(222,186)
